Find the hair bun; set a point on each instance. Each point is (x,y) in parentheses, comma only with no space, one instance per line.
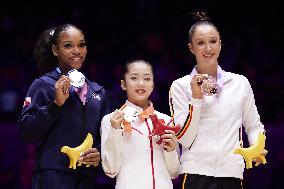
(200,16)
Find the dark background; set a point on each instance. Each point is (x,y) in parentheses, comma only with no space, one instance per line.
(156,30)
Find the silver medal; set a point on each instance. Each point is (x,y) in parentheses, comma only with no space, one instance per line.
(77,78)
(130,114)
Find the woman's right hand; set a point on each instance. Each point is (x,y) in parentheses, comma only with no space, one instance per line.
(195,83)
(116,119)
(62,90)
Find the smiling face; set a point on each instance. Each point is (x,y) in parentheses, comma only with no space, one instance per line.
(205,45)
(70,49)
(138,83)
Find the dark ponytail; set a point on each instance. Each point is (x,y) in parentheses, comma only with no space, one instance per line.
(42,52)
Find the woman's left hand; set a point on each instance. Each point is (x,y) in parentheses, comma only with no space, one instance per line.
(90,157)
(169,140)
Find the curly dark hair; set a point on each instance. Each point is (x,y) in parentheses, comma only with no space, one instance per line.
(42,52)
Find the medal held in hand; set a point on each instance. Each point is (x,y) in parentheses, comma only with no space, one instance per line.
(77,78)
(130,115)
(209,86)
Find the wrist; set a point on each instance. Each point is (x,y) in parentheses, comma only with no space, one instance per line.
(58,103)
(197,96)
(116,126)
